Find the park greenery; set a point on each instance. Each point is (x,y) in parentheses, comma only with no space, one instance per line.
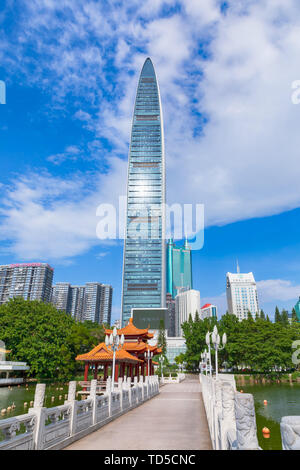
(254,344)
(47,339)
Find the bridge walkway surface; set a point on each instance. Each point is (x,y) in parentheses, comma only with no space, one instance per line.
(173,420)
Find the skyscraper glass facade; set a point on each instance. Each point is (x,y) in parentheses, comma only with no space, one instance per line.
(179,268)
(144,249)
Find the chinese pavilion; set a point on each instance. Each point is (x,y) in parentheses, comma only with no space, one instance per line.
(130,358)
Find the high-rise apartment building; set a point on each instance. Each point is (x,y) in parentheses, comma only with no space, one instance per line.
(90,302)
(32,281)
(241,294)
(144,274)
(105,304)
(179,268)
(187,303)
(61,296)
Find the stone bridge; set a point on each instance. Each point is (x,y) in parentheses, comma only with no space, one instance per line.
(174,419)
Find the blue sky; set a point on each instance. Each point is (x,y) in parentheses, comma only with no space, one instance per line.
(231,129)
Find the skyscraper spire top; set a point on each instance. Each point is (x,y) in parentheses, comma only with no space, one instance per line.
(237,266)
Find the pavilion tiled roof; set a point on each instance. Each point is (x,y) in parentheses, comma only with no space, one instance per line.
(139,347)
(131,330)
(102,353)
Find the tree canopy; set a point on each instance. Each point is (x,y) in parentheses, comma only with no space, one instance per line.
(257,344)
(47,339)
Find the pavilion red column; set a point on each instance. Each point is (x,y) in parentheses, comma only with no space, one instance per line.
(116,372)
(130,371)
(96,371)
(86,371)
(105,371)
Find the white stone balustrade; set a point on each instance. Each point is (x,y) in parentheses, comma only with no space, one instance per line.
(230,414)
(168,379)
(55,428)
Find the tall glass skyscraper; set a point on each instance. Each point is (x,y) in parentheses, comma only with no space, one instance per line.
(144,248)
(179,268)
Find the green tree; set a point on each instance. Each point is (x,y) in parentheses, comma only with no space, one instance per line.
(284,317)
(277,315)
(162,340)
(47,339)
(260,345)
(294,316)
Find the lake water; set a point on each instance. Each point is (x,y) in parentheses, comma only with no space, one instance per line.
(19,395)
(283,400)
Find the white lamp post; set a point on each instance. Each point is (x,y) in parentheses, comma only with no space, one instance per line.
(114,342)
(207,340)
(148,356)
(161,360)
(215,338)
(204,357)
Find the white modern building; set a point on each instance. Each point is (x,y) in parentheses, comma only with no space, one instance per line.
(175,347)
(186,303)
(241,294)
(208,311)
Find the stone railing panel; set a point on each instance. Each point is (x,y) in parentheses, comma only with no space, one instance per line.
(57,425)
(84,415)
(290,432)
(18,432)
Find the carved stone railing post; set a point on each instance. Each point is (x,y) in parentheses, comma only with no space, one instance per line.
(40,412)
(72,391)
(120,388)
(290,432)
(108,391)
(217,413)
(129,389)
(73,402)
(141,384)
(228,422)
(93,396)
(246,431)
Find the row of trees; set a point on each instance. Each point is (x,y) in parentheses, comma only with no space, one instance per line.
(47,339)
(256,343)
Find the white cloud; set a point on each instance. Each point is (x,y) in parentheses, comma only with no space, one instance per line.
(277,289)
(243,162)
(47,218)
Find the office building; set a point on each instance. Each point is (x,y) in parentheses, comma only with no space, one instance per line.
(32,281)
(179,268)
(241,295)
(171,309)
(186,303)
(208,311)
(297,309)
(144,275)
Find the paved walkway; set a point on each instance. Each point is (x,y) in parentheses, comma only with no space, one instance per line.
(173,420)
